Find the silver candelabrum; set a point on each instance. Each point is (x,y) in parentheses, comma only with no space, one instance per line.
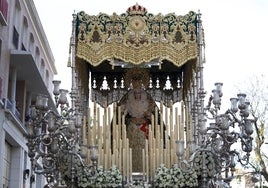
(216,152)
(54,145)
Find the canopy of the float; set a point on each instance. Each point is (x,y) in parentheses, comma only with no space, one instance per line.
(108,46)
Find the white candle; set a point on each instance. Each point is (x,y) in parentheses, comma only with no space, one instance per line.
(106,162)
(95,113)
(143,164)
(161,120)
(119,116)
(171,117)
(102,157)
(127,161)
(124,162)
(157,158)
(107,147)
(187,126)
(181,125)
(116,161)
(172,141)
(88,116)
(168,151)
(165,156)
(89,139)
(114,114)
(147,167)
(113,159)
(156,115)
(117,136)
(110,158)
(120,159)
(153,164)
(100,128)
(176,123)
(152,124)
(84,131)
(130,164)
(166,117)
(161,151)
(104,120)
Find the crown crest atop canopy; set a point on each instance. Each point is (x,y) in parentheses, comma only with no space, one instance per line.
(137,10)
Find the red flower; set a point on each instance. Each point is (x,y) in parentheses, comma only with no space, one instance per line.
(144,128)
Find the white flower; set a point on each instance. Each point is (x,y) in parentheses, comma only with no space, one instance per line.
(175,177)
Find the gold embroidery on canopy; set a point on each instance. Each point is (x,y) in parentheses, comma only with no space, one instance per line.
(137,37)
(136,56)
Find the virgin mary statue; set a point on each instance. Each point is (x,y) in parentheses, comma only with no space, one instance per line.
(137,106)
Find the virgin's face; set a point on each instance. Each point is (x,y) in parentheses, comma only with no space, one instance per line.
(137,94)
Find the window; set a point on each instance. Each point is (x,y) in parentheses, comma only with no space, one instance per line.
(17,21)
(47,78)
(31,44)
(17,14)
(24,34)
(42,68)
(37,56)
(3,11)
(15,38)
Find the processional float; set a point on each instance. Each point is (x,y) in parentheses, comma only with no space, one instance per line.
(105,138)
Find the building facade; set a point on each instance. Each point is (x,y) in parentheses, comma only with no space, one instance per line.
(26,70)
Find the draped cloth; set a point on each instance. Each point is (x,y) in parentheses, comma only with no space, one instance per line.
(137,143)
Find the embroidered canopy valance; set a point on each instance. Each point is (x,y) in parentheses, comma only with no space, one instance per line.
(136,37)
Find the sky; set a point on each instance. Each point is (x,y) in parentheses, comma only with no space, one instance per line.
(235,34)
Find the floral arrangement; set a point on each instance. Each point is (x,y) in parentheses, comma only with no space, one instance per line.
(108,178)
(209,163)
(138,184)
(175,177)
(86,176)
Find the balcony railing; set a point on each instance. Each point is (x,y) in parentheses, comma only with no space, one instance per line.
(8,105)
(13,115)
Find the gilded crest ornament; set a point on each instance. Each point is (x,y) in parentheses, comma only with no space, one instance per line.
(136,23)
(137,32)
